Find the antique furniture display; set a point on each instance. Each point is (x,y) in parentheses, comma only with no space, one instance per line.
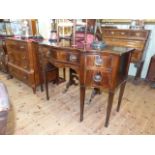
(106,69)
(23,62)
(126,21)
(151,72)
(129,38)
(5,31)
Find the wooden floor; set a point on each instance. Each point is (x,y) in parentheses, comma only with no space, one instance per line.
(32,114)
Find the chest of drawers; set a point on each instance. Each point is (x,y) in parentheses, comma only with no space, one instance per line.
(136,39)
(23,61)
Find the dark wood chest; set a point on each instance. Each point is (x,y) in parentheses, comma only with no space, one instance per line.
(151,70)
(23,61)
(137,39)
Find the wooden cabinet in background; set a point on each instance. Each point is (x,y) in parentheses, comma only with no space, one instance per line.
(23,61)
(129,38)
(151,71)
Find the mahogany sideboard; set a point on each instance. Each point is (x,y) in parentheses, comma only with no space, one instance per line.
(106,69)
(137,39)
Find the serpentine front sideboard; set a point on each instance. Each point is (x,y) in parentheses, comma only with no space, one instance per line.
(106,69)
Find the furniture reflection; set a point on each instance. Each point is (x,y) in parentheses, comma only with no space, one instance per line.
(137,39)
(106,69)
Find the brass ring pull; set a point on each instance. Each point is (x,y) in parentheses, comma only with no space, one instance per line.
(97,77)
(98,60)
(25,77)
(72,57)
(22,47)
(48,54)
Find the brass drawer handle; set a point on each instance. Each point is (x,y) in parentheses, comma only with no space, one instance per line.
(22,47)
(98,60)
(25,67)
(24,57)
(97,77)
(25,77)
(122,33)
(48,54)
(2,53)
(12,60)
(40,50)
(72,57)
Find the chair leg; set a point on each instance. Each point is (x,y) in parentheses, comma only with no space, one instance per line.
(82,98)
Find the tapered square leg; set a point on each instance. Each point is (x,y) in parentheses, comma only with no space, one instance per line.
(120,96)
(109,107)
(46,84)
(82,99)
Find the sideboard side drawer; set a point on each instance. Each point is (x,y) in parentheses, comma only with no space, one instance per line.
(97,78)
(99,61)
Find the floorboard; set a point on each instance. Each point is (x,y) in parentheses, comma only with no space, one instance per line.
(33,114)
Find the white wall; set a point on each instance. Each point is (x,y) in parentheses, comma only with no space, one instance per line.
(44,27)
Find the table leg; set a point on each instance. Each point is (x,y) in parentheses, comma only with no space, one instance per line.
(109,107)
(120,95)
(139,70)
(46,84)
(64,73)
(82,99)
(34,90)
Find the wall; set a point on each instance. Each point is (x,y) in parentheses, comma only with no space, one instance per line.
(45,28)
